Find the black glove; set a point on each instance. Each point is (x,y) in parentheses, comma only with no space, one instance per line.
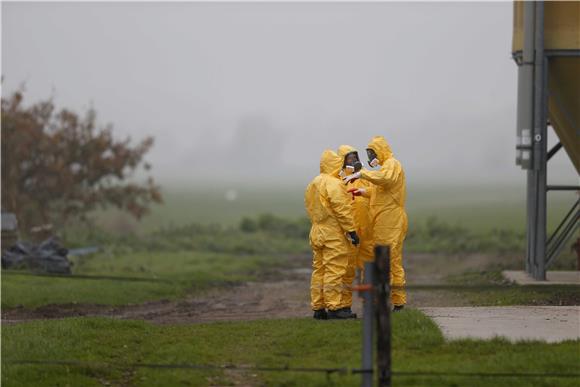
(353,238)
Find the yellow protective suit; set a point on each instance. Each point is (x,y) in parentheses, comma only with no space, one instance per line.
(330,211)
(364,252)
(387,210)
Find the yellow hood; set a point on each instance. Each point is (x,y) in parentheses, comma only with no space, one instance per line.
(381,148)
(343,150)
(330,163)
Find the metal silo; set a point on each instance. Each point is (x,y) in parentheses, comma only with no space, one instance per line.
(546,48)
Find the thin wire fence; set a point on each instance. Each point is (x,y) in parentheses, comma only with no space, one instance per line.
(433,286)
(244,368)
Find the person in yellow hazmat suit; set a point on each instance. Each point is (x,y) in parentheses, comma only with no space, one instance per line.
(364,252)
(332,233)
(387,209)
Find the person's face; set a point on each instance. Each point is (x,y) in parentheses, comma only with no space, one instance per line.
(372,156)
(350,159)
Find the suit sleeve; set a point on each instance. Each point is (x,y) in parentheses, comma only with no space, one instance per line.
(340,203)
(366,185)
(388,175)
(307,201)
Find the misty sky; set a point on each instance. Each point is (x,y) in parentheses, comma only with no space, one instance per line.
(255,92)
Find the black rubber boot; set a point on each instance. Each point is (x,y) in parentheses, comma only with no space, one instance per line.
(349,310)
(340,314)
(320,314)
(398,308)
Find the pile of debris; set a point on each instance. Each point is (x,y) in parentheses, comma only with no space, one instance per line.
(47,257)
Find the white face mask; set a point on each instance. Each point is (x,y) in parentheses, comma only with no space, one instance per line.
(349,168)
(374,162)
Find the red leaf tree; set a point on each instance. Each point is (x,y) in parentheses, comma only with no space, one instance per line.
(59,165)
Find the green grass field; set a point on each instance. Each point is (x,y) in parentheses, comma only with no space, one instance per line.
(189,258)
(417,346)
(181,272)
(478,208)
(504,295)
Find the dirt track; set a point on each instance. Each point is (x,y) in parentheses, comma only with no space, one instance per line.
(281,294)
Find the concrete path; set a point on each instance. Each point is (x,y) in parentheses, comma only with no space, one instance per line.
(549,323)
(561,277)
